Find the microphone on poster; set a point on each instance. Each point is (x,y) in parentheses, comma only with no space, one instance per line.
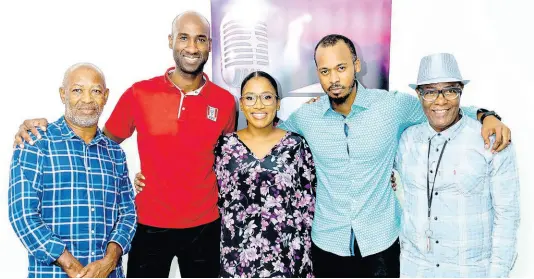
(244,49)
(244,46)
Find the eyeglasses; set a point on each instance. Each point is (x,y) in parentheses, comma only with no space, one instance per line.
(267,99)
(430,95)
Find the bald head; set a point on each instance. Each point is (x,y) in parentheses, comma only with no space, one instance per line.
(83,66)
(190,17)
(190,43)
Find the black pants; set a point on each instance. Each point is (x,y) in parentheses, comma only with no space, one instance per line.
(383,264)
(197,249)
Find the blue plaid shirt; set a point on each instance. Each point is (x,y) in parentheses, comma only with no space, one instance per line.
(475,205)
(66,194)
(353,158)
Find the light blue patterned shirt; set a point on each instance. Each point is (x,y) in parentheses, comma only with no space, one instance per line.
(475,205)
(354,196)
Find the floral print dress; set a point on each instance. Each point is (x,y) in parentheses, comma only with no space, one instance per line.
(266,207)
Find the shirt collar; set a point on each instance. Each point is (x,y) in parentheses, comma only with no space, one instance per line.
(194,92)
(67,133)
(363,100)
(450,133)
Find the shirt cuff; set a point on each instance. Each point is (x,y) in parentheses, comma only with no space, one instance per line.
(49,252)
(498,271)
(122,242)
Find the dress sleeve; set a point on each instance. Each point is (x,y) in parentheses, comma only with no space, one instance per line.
(305,204)
(218,168)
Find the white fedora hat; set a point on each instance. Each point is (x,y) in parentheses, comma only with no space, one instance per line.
(439,67)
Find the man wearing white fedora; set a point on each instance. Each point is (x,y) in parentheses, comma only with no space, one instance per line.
(461,201)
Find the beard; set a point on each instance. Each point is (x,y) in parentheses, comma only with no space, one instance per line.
(342,99)
(187,69)
(82,120)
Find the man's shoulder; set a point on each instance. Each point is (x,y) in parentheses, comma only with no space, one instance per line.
(472,132)
(380,92)
(414,132)
(52,133)
(149,85)
(378,95)
(314,109)
(41,145)
(472,125)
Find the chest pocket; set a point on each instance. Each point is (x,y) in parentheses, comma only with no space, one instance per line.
(467,172)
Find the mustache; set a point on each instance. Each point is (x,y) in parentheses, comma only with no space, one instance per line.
(336,86)
(195,55)
(87,106)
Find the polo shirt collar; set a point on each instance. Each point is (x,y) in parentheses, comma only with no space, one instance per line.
(190,93)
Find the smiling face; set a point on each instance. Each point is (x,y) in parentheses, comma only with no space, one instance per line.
(442,112)
(84,94)
(259,102)
(190,43)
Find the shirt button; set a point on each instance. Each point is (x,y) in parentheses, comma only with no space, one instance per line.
(93,253)
(93,231)
(93,209)
(436,193)
(431,171)
(183,108)
(437,265)
(437,241)
(437,149)
(436,218)
(90,189)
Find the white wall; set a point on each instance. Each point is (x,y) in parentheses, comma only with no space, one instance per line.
(128,40)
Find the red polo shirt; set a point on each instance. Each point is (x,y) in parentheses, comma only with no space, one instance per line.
(176,135)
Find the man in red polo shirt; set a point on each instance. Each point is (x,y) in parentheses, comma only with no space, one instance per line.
(178,117)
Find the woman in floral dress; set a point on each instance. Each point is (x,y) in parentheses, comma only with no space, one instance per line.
(267,185)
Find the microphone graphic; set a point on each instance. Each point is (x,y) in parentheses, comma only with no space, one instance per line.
(244,49)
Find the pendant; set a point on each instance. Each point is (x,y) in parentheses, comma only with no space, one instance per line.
(428,234)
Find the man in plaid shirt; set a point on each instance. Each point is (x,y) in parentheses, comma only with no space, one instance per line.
(70,198)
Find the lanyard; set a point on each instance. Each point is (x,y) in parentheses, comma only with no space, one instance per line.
(429,192)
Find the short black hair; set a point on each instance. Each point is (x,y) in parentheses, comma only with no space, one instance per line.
(331,40)
(263,74)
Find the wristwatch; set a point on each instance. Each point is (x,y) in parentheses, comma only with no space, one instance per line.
(486,113)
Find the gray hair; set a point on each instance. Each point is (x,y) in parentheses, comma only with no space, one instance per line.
(82,65)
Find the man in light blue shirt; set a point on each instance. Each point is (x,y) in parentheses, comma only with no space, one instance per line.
(354,135)
(461,201)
